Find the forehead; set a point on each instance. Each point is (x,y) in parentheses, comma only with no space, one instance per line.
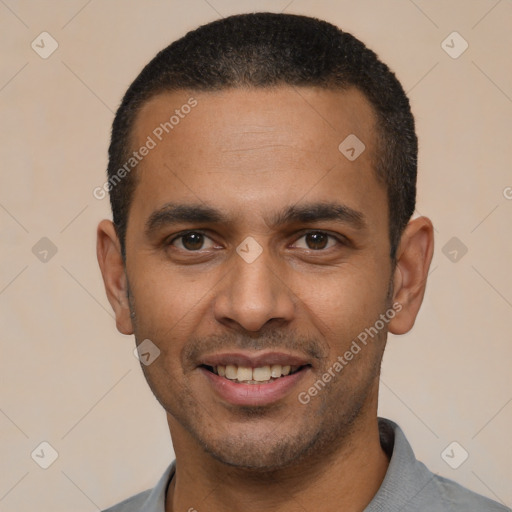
(256,149)
(312,116)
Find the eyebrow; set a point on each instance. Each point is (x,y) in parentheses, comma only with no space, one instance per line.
(315,212)
(173,213)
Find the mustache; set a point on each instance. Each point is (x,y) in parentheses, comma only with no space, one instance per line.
(278,340)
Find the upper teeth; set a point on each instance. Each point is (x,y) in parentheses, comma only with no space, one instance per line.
(259,374)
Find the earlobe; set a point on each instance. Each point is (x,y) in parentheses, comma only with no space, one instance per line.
(108,251)
(414,256)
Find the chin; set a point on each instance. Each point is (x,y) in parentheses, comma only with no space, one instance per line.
(261,452)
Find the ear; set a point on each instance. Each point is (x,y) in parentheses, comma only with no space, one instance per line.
(108,250)
(414,255)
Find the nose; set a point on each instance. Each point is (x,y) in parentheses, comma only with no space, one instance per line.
(252,295)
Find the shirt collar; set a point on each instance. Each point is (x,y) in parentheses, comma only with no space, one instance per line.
(405,477)
(155,502)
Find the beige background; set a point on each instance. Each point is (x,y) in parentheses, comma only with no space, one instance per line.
(68,377)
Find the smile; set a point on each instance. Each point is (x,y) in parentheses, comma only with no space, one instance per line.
(253,378)
(248,375)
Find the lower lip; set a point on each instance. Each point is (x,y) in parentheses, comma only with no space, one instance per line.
(253,394)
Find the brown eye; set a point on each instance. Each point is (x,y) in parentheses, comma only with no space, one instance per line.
(192,241)
(316,241)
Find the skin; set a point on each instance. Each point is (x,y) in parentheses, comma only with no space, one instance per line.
(250,154)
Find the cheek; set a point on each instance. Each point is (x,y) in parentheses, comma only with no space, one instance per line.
(170,307)
(343,304)
(164,299)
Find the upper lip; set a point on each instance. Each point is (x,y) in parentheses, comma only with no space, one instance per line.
(253,360)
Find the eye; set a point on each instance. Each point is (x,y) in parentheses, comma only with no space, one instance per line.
(192,241)
(316,241)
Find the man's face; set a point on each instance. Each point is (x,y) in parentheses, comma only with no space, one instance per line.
(263,164)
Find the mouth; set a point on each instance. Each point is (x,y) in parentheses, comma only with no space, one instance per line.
(259,375)
(254,379)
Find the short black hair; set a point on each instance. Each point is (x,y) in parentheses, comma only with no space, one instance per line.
(261,50)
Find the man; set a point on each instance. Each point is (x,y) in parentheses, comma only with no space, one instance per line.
(262,178)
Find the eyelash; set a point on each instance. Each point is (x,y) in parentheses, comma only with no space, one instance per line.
(338,238)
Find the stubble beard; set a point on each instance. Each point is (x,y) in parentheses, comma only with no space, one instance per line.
(313,440)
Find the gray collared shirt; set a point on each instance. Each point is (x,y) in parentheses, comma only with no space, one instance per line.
(408,485)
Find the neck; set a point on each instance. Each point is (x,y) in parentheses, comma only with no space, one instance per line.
(344,477)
